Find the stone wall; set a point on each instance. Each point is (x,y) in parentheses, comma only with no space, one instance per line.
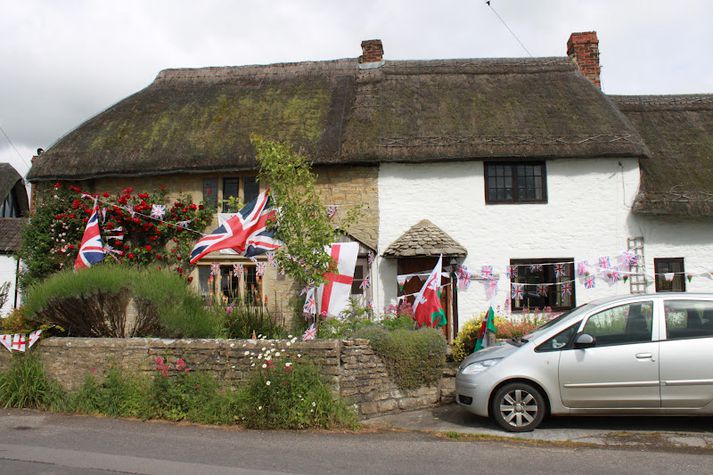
(351,367)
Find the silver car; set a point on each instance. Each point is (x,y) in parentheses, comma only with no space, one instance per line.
(639,354)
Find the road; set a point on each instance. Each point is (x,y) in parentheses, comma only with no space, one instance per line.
(36,442)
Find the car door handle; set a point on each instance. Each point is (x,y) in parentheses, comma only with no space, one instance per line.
(645,356)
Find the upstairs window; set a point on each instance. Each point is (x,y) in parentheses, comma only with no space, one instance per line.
(523,182)
(670,274)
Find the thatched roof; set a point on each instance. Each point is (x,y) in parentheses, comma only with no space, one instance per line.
(11,234)
(11,180)
(408,111)
(678,179)
(425,239)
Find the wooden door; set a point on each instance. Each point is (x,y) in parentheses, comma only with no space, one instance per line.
(424,265)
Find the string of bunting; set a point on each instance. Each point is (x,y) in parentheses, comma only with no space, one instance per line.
(20,341)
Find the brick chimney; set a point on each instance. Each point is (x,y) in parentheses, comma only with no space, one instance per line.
(583,49)
(372,51)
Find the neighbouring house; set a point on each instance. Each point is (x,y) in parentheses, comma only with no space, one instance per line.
(14,209)
(530,181)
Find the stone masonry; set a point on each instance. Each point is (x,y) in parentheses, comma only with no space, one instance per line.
(351,367)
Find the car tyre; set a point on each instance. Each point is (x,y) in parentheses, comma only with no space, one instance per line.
(518,407)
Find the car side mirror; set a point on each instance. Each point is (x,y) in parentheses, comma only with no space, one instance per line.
(585,340)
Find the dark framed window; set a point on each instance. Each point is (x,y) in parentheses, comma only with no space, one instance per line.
(523,182)
(670,274)
(231,189)
(360,273)
(542,283)
(251,188)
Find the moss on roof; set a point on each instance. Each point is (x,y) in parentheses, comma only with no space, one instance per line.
(678,178)
(201,119)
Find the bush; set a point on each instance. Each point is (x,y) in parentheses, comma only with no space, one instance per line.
(507,328)
(412,358)
(118,395)
(290,396)
(242,320)
(120,301)
(25,385)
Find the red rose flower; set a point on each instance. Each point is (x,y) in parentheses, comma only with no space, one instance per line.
(57,185)
(75,188)
(193,206)
(130,255)
(148,247)
(143,196)
(71,216)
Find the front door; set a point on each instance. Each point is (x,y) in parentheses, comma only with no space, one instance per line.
(417,270)
(621,370)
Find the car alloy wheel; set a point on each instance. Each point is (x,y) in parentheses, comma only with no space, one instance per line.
(518,407)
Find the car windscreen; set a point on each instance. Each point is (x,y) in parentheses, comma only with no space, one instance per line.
(553,322)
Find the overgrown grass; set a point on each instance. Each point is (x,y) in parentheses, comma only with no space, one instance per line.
(291,397)
(294,399)
(412,358)
(242,320)
(95,302)
(25,385)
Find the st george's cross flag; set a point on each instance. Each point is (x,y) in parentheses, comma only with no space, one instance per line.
(91,250)
(18,342)
(6,341)
(333,295)
(246,233)
(427,310)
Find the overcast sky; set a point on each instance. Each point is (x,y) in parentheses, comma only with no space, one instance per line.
(63,61)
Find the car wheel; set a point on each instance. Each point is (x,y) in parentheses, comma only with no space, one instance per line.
(518,407)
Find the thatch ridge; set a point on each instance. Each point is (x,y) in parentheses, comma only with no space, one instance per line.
(678,130)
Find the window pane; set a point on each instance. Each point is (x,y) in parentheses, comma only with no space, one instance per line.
(688,319)
(250,188)
(621,325)
(676,273)
(229,284)
(358,279)
(230,190)
(253,286)
(514,182)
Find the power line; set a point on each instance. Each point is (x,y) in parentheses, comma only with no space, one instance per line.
(13,147)
(508,28)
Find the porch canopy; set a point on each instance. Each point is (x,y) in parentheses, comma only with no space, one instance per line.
(425,239)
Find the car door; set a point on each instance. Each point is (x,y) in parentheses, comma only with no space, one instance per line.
(621,369)
(687,353)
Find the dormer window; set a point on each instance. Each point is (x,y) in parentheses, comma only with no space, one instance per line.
(515,182)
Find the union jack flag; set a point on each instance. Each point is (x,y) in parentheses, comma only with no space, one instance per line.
(310,306)
(535,267)
(91,250)
(517,291)
(566,288)
(559,270)
(510,271)
(582,268)
(310,333)
(590,282)
(246,232)
(604,263)
(486,272)
(542,290)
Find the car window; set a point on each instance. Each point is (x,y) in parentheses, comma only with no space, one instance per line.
(688,319)
(560,340)
(621,325)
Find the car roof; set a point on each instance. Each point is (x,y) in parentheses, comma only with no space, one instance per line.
(657,295)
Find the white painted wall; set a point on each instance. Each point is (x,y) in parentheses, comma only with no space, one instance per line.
(8,267)
(587,216)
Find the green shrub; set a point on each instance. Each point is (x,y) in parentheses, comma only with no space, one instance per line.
(412,358)
(118,395)
(26,385)
(121,301)
(290,397)
(242,320)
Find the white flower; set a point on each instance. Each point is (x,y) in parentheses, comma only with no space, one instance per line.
(314,404)
(260,336)
(259,357)
(288,343)
(289,336)
(264,366)
(288,365)
(263,348)
(277,354)
(299,355)
(268,358)
(267,383)
(252,365)
(294,339)
(247,353)
(259,408)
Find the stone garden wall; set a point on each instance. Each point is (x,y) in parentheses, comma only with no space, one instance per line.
(352,368)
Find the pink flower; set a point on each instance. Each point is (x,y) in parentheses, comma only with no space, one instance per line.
(180,364)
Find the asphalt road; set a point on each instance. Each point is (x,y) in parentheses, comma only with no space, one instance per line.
(34,442)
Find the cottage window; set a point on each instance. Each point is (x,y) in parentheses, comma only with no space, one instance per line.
(231,189)
(544,283)
(515,182)
(673,268)
(229,287)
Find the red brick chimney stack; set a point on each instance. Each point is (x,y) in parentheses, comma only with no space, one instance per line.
(372,51)
(583,49)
